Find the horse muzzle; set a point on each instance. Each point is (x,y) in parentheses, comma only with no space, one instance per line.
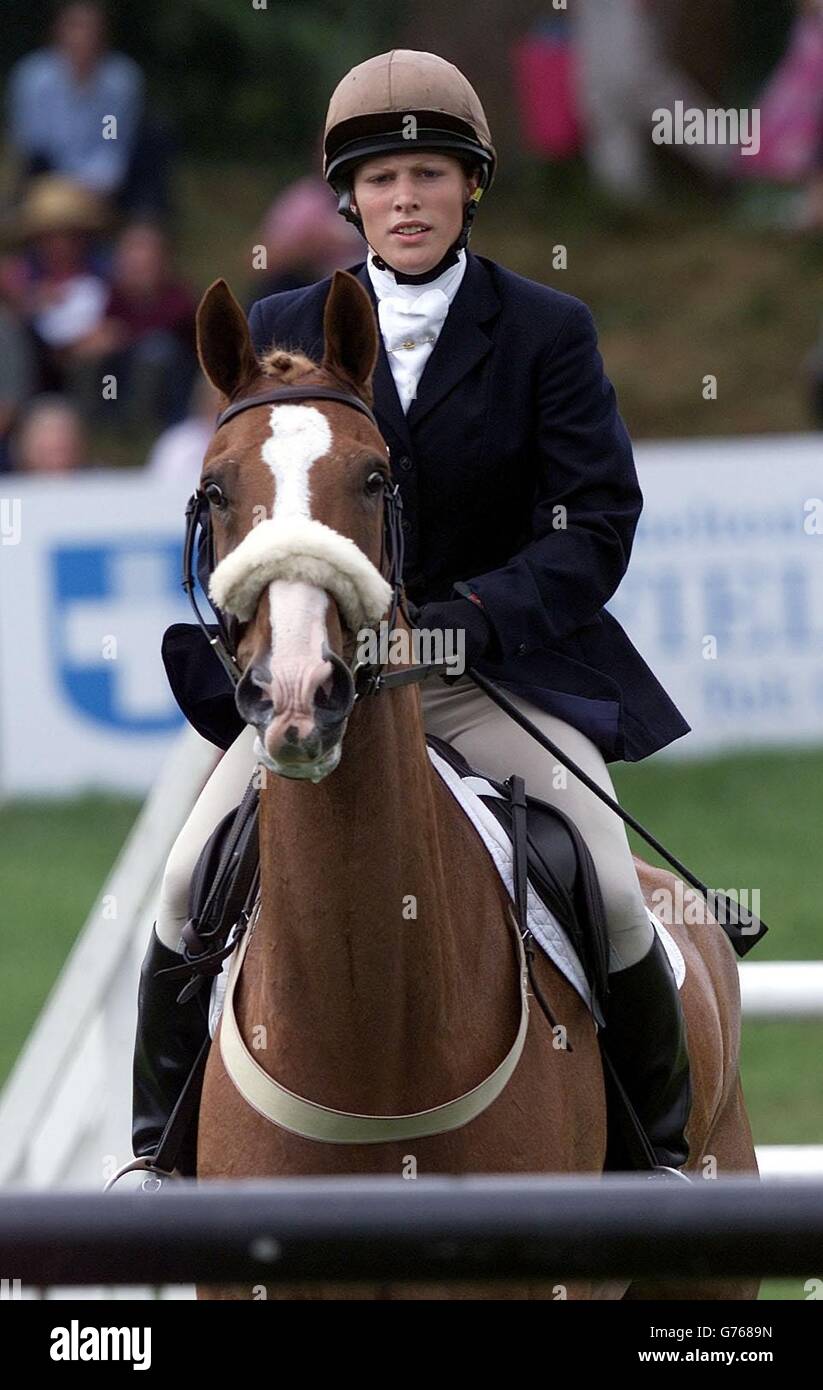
(299,738)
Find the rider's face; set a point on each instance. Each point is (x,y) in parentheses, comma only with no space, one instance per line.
(431,189)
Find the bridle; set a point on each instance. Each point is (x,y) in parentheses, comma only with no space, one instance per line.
(367,677)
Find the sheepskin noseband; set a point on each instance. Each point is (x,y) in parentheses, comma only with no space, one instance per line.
(298,547)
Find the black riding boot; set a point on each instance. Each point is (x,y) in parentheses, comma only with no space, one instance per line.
(645,1037)
(169,1038)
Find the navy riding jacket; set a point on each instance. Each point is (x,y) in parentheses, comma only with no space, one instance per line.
(518,482)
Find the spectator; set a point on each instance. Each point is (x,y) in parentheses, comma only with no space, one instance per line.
(50,438)
(18,376)
(145,337)
(178,454)
(61,100)
(54,282)
(304,237)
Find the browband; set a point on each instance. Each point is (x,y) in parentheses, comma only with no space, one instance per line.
(295,393)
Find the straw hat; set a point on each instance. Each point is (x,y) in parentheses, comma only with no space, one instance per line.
(54,203)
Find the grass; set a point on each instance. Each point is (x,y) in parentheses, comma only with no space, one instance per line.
(680,293)
(747,820)
(54,858)
(742,820)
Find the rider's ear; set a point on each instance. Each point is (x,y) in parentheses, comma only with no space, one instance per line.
(224,343)
(350,330)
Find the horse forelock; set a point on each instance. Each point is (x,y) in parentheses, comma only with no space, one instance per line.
(290,367)
(286,365)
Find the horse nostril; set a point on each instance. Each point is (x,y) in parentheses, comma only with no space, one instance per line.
(252,696)
(260,677)
(335,705)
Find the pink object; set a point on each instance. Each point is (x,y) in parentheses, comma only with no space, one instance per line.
(303,224)
(544,67)
(791,109)
(297,211)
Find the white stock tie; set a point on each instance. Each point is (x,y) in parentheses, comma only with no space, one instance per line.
(410,328)
(416,322)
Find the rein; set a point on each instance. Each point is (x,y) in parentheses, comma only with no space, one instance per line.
(371,678)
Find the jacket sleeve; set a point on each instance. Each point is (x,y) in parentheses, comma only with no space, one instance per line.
(587,503)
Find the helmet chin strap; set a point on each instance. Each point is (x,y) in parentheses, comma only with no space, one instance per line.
(403,278)
(449,258)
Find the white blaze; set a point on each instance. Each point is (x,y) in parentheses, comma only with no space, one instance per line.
(300,435)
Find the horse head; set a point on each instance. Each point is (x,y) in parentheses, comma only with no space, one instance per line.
(296,493)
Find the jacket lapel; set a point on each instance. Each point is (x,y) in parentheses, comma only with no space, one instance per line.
(463,342)
(386,399)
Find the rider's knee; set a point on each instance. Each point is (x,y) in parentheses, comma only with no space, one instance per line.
(174,888)
(624,908)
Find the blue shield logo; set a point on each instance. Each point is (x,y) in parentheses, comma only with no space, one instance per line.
(111,604)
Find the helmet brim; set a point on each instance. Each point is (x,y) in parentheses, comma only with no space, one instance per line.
(341,164)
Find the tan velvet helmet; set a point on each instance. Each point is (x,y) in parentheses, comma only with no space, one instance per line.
(370,110)
(399,101)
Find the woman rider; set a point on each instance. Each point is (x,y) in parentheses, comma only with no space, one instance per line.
(521,501)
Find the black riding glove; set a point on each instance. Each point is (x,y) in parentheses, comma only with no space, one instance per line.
(463,614)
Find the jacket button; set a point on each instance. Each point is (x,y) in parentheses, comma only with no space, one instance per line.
(406,526)
(521,650)
(405,463)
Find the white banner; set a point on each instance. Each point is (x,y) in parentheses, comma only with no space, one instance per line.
(90,570)
(723,597)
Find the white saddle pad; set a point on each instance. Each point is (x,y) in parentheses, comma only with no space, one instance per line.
(543,924)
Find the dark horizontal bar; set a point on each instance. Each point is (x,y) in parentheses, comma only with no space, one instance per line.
(428,1228)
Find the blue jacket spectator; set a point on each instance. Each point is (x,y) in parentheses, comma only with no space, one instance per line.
(60,98)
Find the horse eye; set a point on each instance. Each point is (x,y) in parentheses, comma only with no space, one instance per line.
(215,494)
(374,483)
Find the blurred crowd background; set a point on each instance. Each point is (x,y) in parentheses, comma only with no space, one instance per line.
(694,258)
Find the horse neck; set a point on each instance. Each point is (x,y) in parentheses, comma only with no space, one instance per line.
(358,956)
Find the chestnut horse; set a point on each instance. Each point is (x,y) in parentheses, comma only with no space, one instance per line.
(350,997)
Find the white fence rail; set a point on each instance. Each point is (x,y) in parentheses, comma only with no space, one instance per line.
(782,988)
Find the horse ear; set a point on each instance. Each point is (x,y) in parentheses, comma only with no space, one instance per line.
(350,331)
(224,343)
